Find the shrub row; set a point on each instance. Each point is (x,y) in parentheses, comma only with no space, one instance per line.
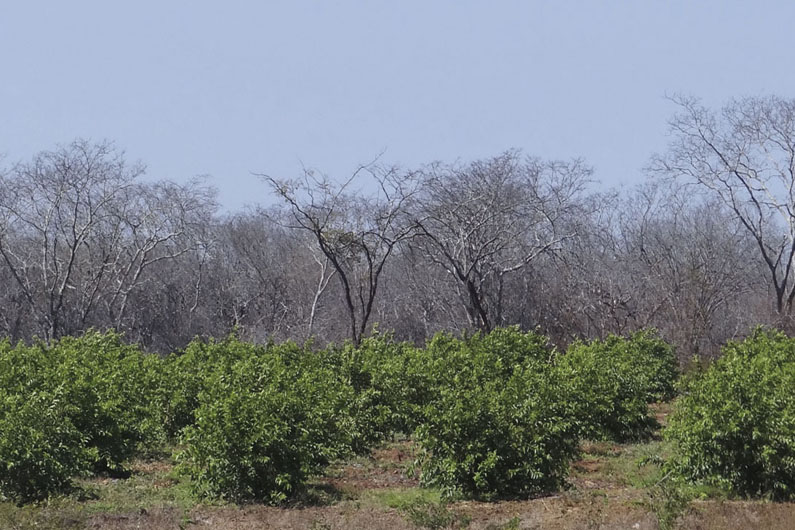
(495,415)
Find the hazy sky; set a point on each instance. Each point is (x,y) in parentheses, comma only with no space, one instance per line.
(229,88)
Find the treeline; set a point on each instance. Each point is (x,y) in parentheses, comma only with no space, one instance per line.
(702,251)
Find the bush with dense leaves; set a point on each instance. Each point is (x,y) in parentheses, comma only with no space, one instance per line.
(189,370)
(390,387)
(655,359)
(502,350)
(734,425)
(612,382)
(117,394)
(40,449)
(75,406)
(266,421)
(499,425)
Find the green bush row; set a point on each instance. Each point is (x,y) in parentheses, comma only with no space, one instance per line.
(495,415)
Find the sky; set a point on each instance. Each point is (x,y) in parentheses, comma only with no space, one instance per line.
(229,89)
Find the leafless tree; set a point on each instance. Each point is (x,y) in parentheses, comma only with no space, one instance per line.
(492,218)
(78,230)
(692,266)
(50,212)
(355,231)
(744,156)
(162,221)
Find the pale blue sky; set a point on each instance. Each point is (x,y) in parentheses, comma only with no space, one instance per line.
(229,88)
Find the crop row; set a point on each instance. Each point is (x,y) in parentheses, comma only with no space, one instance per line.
(498,415)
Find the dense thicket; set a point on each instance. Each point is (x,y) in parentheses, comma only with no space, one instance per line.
(494,415)
(612,381)
(265,419)
(76,406)
(499,422)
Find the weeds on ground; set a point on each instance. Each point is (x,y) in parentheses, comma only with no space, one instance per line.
(510,524)
(399,498)
(434,515)
(669,499)
(47,515)
(151,485)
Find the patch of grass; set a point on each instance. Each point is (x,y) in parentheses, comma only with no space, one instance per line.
(399,498)
(434,515)
(622,466)
(48,515)
(320,494)
(152,484)
(422,507)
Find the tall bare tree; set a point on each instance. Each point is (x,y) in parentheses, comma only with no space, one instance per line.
(78,230)
(744,155)
(492,218)
(50,212)
(356,231)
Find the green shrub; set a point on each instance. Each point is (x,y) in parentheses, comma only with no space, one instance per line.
(390,388)
(613,381)
(499,425)
(91,397)
(510,347)
(40,448)
(265,422)
(496,354)
(189,370)
(656,363)
(115,392)
(734,425)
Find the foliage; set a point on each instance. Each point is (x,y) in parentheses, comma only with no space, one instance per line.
(656,363)
(78,404)
(498,425)
(265,422)
(189,370)
(734,425)
(117,394)
(40,448)
(496,414)
(497,354)
(511,347)
(613,380)
(390,384)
